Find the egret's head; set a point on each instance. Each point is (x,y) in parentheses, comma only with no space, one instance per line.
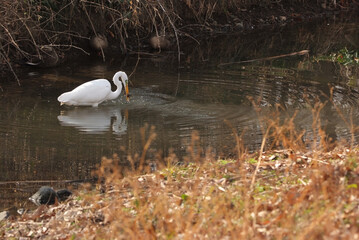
(123,76)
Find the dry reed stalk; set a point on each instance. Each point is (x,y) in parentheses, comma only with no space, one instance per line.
(146,144)
(350,124)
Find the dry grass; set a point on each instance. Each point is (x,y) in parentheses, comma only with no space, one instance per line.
(286,193)
(295,196)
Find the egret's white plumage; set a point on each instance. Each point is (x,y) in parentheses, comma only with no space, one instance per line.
(94,92)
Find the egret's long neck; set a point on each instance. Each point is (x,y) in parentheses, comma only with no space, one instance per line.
(116,80)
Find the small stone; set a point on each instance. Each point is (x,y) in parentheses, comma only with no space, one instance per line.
(48,196)
(21,211)
(45,195)
(63,194)
(4,215)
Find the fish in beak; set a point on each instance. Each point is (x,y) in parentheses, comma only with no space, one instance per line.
(127,93)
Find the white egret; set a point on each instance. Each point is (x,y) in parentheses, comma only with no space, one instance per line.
(94,92)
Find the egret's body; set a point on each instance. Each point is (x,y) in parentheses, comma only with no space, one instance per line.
(94,92)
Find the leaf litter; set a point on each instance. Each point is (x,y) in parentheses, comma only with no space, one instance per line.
(296,195)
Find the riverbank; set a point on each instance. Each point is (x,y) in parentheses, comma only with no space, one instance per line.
(275,194)
(49,33)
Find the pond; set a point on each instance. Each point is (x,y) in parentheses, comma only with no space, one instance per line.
(43,143)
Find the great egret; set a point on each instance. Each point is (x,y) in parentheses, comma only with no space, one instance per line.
(94,92)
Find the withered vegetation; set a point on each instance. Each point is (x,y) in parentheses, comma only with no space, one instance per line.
(27,26)
(291,188)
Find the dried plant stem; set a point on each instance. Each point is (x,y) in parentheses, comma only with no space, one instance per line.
(137,61)
(69,46)
(30,34)
(146,145)
(11,69)
(13,42)
(239,144)
(319,219)
(350,124)
(94,30)
(259,158)
(174,30)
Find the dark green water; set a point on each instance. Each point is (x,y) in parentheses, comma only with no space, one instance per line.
(43,141)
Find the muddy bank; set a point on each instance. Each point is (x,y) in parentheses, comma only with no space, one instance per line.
(49,33)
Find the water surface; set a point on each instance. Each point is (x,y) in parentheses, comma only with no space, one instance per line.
(45,143)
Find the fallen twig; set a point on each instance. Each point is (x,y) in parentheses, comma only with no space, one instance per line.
(70,46)
(303,52)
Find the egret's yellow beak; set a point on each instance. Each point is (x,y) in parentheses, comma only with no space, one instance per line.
(127,93)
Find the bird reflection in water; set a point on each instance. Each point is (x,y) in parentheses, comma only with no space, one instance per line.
(95,120)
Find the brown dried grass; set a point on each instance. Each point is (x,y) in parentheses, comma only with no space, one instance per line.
(295,196)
